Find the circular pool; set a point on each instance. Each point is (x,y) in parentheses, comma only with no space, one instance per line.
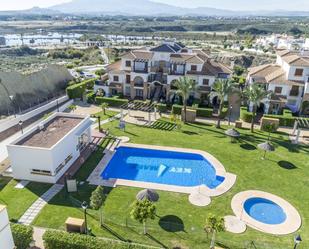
(265,211)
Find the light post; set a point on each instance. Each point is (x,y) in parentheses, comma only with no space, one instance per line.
(21,126)
(230,113)
(297,241)
(85,206)
(11,98)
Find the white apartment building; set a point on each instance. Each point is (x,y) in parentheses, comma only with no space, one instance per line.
(45,153)
(287,79)
(282,42)
(150,73)
(6,238)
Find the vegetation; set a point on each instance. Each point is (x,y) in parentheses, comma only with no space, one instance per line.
(77,90)
(113,102)
(22,235)
(214,225)
(245,115)
(97,199)
(222,89)
(64,240)
(185,87)
(255,94)
(104,106)
(177,222)
(142,211)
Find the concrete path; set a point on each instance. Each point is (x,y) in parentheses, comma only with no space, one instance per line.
(38,237)
(38,205)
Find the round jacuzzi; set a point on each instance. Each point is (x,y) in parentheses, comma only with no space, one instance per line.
(265,211)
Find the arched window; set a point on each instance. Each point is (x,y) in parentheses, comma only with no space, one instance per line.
(138,81)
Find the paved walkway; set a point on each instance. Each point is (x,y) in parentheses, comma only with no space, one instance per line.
(38,237)
(38,205)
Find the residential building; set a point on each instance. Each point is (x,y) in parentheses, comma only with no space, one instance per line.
(6,238)
(287,79)
(45,153)
(150,73)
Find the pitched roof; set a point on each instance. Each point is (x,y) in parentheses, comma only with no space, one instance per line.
(296,60)
(114,67)
(138,54)
(169,48)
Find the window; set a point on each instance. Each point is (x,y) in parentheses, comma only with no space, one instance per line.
(41,172)
(128,63)
(116,78)
(205,82)
(278,90)
(128,79)
(294,91)
(193,68)
(61,166)
(299,72)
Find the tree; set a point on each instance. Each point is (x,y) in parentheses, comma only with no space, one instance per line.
(239,70)
(222,89)
(72,107)
(255,93)
(97,199)
(104,106)
(214,225)
(185,86)
(142,211)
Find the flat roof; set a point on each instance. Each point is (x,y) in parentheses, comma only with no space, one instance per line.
(48,134)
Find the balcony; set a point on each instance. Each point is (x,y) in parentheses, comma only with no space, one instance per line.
(177,73)
(157,77)
(294,93)
(138,70)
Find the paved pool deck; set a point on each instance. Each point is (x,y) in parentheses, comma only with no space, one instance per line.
(230,179)
(290,225)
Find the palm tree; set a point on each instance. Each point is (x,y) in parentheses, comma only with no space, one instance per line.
(185,86)
(255,93)
(104,106)
(214,225)
(222,89)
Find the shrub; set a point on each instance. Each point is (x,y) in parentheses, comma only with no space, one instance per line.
(161,107)
(224,112)
(245,115)
(176,109)
(113,102)
(64,240)
(204,112)
(90,97)
(283,120)
(269,124)
(77,90)
(22,235)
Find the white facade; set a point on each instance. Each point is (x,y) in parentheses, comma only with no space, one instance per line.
(49,164)
(6,238)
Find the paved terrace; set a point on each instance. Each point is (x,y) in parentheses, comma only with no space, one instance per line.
(52,132)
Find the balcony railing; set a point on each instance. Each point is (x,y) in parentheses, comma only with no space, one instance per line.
(177,73)
(141,70)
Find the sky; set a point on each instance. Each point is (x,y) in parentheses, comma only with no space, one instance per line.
(220,4)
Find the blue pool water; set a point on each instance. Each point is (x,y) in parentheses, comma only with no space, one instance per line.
(164,167)
(264,211)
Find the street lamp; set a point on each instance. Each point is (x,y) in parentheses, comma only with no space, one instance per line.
(230,113)
(85,206)
(21,126)
(297,241)
(11,98)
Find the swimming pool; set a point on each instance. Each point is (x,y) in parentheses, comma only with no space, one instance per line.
(265,211)
(162,167)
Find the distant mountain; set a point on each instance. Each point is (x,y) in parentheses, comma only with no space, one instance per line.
(32,11)
(142,8)
(148,7)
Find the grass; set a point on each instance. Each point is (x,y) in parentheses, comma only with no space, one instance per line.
(284,173)
(19,200)
(108,114)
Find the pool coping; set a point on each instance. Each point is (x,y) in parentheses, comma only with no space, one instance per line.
(226,185)
(290,225)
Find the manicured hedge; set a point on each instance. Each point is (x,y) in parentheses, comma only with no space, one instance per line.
(91,97)
(64,240)
(112,102)
(204,112)
(77,90)
(161,107)
(22,235)
(283,120)
(176,109)
(245,115)
(200,112)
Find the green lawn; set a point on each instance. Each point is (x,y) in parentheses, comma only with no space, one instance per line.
(284,173)
(108,114)
(19,200)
